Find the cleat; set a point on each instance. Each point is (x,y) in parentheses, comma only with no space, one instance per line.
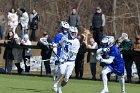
(123,92)
(55,88)
(59,90)
(104,91)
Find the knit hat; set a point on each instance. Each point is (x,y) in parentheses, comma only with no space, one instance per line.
(26,37)
(45,33)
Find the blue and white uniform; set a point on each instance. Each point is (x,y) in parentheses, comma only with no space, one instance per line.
(113,63)
(69,48)
(56,40)
(117,66)
(64,26)
(68,55)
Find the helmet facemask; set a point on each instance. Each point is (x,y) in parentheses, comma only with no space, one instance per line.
(64,30)
(73,31)
(64,27)
(107,41)
(73,34)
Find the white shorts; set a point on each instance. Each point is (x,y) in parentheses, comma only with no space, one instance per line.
(66,69)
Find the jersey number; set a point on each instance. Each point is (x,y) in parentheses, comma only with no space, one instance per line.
(67,46)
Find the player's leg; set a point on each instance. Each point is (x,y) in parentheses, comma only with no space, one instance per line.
(105,71)
(61,72)
(69,69)
(122,82)
(54,63)
(55,72)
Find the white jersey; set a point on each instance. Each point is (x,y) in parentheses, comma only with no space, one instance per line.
(70,48)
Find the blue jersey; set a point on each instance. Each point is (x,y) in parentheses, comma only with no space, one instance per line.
(117,66)
(56,40)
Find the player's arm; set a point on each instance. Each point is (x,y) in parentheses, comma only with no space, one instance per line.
(107,61)
(100,51)
(57,38)
(99,57)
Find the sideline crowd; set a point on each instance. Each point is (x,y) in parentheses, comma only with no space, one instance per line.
(90,41)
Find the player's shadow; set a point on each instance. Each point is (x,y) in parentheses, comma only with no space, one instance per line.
(31,89)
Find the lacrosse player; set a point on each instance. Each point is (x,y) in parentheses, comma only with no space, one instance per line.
(114,62)
(70,46)
(64,26)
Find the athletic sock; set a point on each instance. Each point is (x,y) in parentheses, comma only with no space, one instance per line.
(122,82)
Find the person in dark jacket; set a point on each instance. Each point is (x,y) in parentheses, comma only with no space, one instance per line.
(27,52)
(8,56)
(98,22)
(79,63)
(34,19)
(126,48)
(46,51)
(74,19)
(136,48)
(17,53)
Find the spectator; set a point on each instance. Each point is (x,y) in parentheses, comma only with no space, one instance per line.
(26,53)
(46,51)
(8,56)
(98,22)
(86,33)
(91,57)
(34,19)
(74,19)
(23,21)
(79,63)
(17,53)
(136,48)
(126,47)
(12,20)
(2,24)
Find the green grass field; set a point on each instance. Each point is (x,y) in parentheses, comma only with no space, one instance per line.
(35,84)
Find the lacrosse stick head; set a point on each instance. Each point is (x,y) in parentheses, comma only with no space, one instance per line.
(123,37)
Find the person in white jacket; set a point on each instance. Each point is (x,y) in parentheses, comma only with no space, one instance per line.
(12,20)
(24,20)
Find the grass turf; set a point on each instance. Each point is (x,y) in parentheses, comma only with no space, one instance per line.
(34,84)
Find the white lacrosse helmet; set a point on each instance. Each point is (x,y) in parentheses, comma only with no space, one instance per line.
(73,31)
(109,40)
(26,37)
(64,24)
